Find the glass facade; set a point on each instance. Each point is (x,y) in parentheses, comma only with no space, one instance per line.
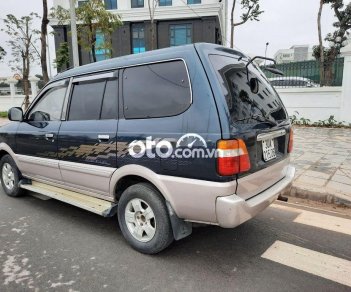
(138,38)
(194,1)
(165,2)
(110,4)
(180,34)
(137,3)
(100,52)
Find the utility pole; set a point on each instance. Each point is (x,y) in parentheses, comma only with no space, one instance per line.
(74,33)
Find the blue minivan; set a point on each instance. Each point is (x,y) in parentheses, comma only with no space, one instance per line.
(163,139)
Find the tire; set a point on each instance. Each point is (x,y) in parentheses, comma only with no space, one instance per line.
(148,232)
(10,177)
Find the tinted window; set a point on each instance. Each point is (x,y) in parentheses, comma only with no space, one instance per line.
(109,106)
(86,100)
(242,102)
(156,90)
(49,107)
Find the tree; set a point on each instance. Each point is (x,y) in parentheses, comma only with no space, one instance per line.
(62,56)
(251,12)
(93,19)
(43,35)
(320,38)
(336,39)
(2,54)
(152,8)
(22,43)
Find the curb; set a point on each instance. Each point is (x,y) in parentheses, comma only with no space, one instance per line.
(318,194)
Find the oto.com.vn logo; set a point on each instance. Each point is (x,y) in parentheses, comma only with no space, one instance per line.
(187,146)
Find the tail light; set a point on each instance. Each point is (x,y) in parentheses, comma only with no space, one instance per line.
(291,141)
(233,157)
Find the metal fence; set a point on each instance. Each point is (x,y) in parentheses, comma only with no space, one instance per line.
(305,74)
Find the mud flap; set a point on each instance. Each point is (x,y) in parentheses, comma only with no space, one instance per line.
(181,228)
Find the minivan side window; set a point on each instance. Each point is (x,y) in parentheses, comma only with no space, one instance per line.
(110,103)
(49,107)
(156,90)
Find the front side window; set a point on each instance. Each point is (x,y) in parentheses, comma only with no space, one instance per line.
(110,4)
(194,1)
(137,3)
(49,107)
(101,53)
(138,38)
(165,2)
(180,34)
(156,90)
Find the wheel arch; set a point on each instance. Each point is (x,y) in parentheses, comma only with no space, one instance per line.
(6,149)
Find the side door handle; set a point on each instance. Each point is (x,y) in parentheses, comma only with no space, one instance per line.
(103,138)
(49,136)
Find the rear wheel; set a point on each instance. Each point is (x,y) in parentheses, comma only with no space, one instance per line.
(10,176)
(144,220)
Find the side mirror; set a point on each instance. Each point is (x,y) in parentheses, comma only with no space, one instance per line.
(15,114)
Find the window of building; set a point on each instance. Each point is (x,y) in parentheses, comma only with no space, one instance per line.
(137,3)
(180,34)
(86,100)
(194,1)
(156,90)
(110,4)
(82,2)
(110,103)
(165,2)
(138,38)
(49,107)
(101,53)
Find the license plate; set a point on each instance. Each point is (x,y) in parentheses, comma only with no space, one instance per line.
(268,150)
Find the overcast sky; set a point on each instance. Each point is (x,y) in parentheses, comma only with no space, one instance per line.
(284,23)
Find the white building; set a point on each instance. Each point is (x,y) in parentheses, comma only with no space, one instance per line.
(296,53)
(177,22)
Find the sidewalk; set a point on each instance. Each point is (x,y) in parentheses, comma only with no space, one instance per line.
(322,158)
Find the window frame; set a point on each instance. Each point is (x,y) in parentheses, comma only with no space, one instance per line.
(166,3)
(174,25)
(111,8)
(139,26)
(44,91)
(106,75)
(120,88)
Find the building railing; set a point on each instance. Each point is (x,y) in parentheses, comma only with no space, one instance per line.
(306,74)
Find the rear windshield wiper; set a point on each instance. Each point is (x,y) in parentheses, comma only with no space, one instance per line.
(259,119)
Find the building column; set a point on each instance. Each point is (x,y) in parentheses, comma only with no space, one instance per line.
(12,82)
(33,85)
(346,86)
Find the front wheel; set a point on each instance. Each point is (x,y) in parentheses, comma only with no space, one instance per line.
(144,220)
(10,176)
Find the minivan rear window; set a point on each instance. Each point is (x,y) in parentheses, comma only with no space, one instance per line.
(156,90)
(242,102)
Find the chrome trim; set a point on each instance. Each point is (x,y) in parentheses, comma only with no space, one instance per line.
(94,77)
(271,135)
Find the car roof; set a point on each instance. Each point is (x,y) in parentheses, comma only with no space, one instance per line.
(147,57)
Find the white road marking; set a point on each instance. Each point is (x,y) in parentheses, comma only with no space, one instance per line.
(319,220)
(316,263)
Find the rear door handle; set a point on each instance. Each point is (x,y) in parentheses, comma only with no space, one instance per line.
(103,138)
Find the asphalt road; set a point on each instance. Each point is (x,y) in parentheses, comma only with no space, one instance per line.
(48,245)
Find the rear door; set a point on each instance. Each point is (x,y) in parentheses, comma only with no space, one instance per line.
(256,115)
(37,135)
(87,138)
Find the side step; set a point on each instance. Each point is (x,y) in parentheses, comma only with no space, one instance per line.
(95,205)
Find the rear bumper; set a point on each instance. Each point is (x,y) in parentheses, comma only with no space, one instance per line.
(232,210)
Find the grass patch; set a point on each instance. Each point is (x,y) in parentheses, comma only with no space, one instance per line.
(3,114)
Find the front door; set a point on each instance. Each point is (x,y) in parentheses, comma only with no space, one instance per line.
(87,138)
(37,135)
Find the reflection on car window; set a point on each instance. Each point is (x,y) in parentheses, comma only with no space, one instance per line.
(49,107)
(242,102)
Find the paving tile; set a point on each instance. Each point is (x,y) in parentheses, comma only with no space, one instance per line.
(317,174)
(340,187)
(308,180)
(341,179)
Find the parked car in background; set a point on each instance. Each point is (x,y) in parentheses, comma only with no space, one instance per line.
(282,82)
(162,139)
